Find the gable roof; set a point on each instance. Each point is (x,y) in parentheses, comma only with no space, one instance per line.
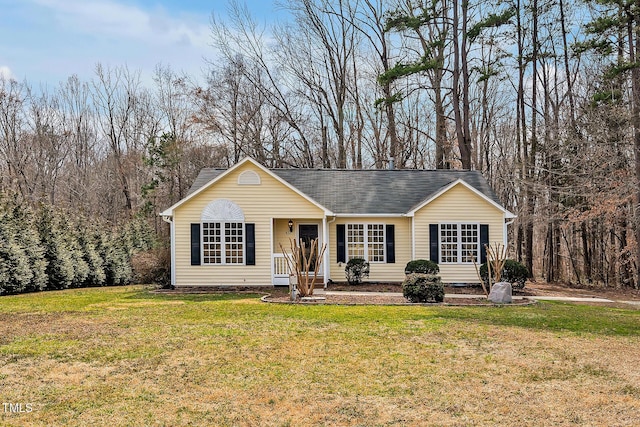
(208,176)
(370,191)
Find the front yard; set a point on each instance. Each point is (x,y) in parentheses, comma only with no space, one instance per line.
(125,356)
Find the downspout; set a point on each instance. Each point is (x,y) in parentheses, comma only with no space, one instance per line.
(504,233)
(172,234)
(413,237)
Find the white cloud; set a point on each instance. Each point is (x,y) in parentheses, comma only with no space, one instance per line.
(5,73)
(119,21)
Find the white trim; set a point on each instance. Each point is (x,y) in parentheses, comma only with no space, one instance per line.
(169,211)
(505,230)
(272,251)
(504,235)
(446,188)
(413,238)
(352,215)
(172,232)
(327,252)
(325,232)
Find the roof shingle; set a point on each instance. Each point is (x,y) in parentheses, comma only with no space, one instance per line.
(370,191)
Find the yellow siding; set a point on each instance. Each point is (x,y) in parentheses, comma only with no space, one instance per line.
(459,204)
(282,234)
(260,203)
(380,272)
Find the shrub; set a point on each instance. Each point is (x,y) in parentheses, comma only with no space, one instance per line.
(422,266)
(356,269)
(513,272)
(152,266)
(423,288)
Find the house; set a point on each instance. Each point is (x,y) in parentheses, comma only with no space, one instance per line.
(230,228)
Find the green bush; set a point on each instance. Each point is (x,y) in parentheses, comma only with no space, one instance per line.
(423,288)
(513,272)
(356,269)
(422,266)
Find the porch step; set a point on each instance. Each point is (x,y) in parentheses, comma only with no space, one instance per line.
(319,282)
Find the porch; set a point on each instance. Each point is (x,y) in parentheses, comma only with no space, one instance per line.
(305,229)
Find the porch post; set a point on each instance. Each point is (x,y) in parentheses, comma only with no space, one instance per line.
(325,261)
(272,268)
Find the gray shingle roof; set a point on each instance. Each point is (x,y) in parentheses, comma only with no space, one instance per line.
(372,191)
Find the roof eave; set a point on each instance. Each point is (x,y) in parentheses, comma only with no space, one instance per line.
(375,215)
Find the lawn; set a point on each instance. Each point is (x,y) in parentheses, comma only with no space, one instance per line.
(125,356)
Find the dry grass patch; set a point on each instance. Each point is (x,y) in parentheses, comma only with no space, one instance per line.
(230,360)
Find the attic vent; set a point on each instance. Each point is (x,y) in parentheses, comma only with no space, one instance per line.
(222,210)
(249,178)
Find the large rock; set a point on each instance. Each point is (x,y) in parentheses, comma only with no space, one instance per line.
(501,293)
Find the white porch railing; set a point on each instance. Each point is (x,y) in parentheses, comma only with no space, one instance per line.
(280,270)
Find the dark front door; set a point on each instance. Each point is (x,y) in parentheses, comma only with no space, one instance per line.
(307,233)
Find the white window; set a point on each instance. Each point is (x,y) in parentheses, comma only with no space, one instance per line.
(366,241)
(211,243)
(459,243)
(355,241)
(375,242)
(222,233)
(217,249)
(234,242)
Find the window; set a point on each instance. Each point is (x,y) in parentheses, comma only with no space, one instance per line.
(223,240)
(366,241)
(211,243)
(375,242)
(219,250)
(459,243)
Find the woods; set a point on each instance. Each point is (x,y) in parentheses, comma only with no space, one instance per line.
(542,96)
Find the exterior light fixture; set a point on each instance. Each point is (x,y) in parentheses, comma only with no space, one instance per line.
(290,226)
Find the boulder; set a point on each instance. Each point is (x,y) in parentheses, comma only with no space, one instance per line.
(501,293)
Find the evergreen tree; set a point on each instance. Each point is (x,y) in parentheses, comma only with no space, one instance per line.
(15,274)
(60,268)
(117,265)
(69,236)
(20,219)
(87,242)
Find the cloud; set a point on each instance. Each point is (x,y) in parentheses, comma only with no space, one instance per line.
(108,18)
(5,73)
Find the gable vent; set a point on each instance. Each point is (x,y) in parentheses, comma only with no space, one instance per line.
(249,178)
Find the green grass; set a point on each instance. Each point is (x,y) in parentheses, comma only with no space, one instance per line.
(126,356)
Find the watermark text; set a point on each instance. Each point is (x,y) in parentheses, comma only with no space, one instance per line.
(17,408)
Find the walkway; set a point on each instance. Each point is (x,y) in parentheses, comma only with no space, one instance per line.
(516,297)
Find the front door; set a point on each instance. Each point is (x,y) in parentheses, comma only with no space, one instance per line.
(307,233)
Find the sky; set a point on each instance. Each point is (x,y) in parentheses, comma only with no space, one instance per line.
(46,41)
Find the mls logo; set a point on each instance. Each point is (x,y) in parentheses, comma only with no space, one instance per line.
(17,408)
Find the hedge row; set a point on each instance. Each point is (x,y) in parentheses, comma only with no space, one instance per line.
(48,249)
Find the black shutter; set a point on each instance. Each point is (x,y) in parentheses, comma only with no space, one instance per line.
(433,243)
(484,240)
(195,244)
(250,239)
(340,237)
(391,246)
